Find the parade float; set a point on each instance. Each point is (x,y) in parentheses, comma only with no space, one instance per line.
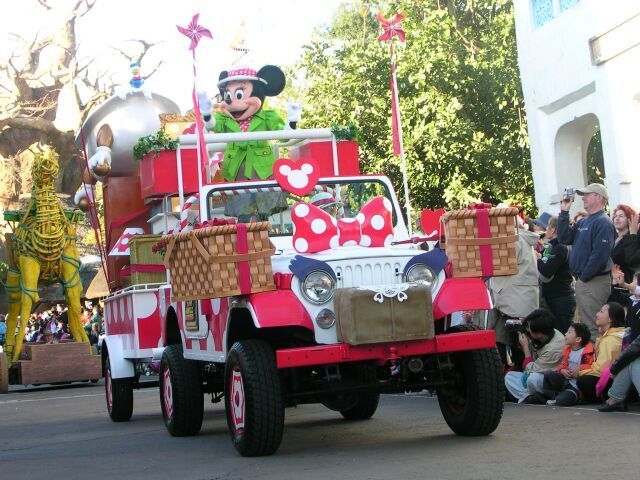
(288,281)
(42,250)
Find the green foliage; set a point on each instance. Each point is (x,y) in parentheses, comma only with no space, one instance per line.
(350,132)
(595,160)
(154,143)
(463,119)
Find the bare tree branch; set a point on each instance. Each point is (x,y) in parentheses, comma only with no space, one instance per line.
(31,123)
(44,4)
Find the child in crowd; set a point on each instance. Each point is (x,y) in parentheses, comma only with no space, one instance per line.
(610,323)
(560,385)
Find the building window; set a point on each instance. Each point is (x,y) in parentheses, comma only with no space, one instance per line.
(567,4)
(542,12)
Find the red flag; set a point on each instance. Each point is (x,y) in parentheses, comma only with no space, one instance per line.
(395,118)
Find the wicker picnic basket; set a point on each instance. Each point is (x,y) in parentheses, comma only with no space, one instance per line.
(210,262)
(494,241)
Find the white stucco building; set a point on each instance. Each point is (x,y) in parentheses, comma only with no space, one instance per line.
(580,67)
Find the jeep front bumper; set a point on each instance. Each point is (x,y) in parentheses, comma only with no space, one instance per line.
(383,352)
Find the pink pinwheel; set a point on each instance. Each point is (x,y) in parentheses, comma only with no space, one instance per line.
(194,31)
(392,27)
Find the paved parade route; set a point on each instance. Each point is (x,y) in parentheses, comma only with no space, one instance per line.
(65,433)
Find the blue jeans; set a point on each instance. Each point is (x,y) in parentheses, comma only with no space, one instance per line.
(622,382)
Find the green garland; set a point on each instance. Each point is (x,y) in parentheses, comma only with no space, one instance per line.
(350,132)
(154,143)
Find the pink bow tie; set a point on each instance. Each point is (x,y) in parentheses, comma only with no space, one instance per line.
(315,230)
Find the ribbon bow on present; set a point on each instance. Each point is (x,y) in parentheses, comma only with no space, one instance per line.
(315,230)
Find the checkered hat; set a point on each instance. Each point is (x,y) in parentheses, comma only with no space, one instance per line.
(241,73)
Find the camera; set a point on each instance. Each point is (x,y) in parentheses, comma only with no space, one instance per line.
(569,194)
(516,325)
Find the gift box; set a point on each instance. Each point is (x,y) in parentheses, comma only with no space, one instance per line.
(159,172)
(481,241)
(389,313)
(322,152)
(220,261)
(146,266)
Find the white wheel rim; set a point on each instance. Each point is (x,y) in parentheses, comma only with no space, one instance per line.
(167,392)
(237,400)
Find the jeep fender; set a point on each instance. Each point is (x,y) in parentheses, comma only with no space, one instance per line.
(457,294)
(120,366)
(279,308)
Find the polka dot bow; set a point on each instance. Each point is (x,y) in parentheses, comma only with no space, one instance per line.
(315,230)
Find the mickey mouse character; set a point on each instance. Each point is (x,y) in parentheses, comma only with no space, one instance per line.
(243,91)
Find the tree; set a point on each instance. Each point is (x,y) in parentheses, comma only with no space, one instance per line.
(460,97)
(32,81)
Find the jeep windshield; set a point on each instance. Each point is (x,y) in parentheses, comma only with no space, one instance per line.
(268,202)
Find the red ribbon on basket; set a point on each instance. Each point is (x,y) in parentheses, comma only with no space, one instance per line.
(141,268)
(244,272)
(486,255)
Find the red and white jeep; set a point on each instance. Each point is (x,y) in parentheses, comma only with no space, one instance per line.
(263,352)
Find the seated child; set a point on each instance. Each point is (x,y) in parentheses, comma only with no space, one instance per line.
(560,385)
(610,323)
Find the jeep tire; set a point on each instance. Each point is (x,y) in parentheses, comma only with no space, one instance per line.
(473,403)
(118,395)
(253,398)
(367,403)
(181,396)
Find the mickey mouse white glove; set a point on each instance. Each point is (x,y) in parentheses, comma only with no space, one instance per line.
(100,162)
(294,111)
(206,107)
(85,192)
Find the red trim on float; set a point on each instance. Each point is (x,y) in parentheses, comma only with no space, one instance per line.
(279,308)
(457,294)
(342,352)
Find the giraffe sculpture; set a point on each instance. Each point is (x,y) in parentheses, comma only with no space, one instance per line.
(42,249)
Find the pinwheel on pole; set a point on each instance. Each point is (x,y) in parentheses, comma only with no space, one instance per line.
(195,32)
(393,28)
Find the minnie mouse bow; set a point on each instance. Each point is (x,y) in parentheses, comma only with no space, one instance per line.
(315,230)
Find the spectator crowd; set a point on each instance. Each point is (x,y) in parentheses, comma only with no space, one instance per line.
(568,323)
(52,325)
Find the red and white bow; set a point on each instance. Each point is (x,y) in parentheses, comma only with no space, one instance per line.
(392,27)
(315,230)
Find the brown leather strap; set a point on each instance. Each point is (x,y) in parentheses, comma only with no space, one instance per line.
(167,256)
(206,256)
(482,241)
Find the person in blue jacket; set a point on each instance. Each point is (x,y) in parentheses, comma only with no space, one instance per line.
(590,258)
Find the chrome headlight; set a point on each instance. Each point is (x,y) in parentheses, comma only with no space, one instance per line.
(420,273)
(318,287)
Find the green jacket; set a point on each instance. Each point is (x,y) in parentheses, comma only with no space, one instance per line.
(256,156)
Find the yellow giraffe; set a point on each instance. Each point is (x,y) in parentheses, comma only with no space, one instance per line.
(42,249)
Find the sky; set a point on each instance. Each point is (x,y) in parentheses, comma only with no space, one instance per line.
(274,30)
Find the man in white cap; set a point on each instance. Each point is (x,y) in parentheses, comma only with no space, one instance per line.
(590,259)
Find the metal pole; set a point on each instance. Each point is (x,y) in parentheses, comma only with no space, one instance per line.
(403,161)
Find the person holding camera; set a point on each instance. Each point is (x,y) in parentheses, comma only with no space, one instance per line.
(543,347)
(556,282)
(590,259)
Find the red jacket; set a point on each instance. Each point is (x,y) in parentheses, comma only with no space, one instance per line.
(588,356)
